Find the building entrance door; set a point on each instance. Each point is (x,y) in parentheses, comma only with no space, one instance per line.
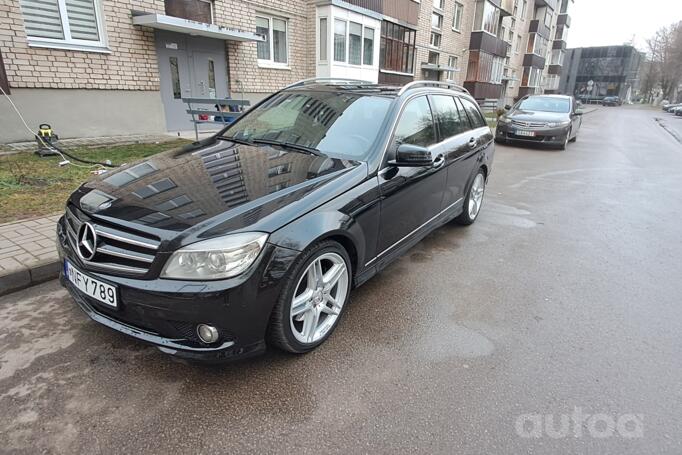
(189,67)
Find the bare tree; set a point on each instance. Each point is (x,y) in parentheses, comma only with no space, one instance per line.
(665,60)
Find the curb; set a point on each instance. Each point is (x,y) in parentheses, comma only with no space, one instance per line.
(30,276)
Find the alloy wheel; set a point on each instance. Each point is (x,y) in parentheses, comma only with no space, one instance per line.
(476,196)
(319,296)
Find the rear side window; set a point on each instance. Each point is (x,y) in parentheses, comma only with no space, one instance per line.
(415,126)
(473,113)
(451,121)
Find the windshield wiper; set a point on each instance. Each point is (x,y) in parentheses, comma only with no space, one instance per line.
(236,140)
(291,145)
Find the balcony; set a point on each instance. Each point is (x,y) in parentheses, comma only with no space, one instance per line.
(536,26)
(563,20)
(559,44)
(488,43)
(523,91)
(506,7)
(550,3)
(402,10)
(534,60)
(554,69)
(483,90)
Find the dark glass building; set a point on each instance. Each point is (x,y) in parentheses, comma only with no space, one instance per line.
(591,73)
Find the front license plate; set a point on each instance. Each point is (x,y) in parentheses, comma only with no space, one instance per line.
(525,133)
(90,286)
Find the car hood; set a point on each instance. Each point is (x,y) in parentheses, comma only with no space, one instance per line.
(215,187)
(537,116)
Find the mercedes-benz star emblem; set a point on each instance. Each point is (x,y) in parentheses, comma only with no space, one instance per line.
(87,242)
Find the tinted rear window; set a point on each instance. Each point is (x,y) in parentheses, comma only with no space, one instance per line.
(474,114)
(451,121)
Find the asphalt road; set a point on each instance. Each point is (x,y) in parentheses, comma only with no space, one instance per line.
(672,123)
(560,305)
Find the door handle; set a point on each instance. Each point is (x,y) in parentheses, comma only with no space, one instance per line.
(439,161)
(473,142)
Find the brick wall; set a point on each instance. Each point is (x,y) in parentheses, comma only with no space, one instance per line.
(453,42)
(242,58)
(131,65)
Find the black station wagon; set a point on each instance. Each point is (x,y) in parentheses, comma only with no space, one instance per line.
(257,235)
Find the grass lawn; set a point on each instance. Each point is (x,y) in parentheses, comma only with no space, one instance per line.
(31,186)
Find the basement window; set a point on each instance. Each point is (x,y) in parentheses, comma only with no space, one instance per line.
(65,24)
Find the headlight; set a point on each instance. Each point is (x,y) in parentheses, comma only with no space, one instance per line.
(555,124)
(503,119)
(222,257)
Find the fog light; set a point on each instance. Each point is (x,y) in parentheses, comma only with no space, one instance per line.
(207,333)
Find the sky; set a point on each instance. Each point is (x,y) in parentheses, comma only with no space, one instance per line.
(607,22)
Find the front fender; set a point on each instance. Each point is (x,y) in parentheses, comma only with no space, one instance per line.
(353,218)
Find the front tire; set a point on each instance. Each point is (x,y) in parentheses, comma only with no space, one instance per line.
(565,144)
(313,299)
(474,200)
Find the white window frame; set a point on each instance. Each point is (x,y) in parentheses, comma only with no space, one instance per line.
(319,41)
(459,8)
(433,27)
(442,5)
(374,43)
(100,46)
(450,75)
(346,38)
(271,63)
(346,60)
(440,41)
(362,42)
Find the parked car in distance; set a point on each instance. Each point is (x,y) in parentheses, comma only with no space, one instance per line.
(612,101)
(258,234)
(671,106)
(541,119)
(677,111)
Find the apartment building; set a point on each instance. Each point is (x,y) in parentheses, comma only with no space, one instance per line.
(108,67)
(591,73)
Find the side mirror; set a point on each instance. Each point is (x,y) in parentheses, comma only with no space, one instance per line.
(507,107)
(409,155)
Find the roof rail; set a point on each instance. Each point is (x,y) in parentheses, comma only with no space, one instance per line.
(417,84)
(330,80)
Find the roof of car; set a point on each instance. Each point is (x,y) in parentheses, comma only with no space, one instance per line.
(367,88)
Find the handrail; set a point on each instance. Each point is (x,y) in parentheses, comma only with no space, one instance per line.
(339,80)
(417,84)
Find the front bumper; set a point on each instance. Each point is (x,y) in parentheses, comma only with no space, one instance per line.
(506,132)
(165,312)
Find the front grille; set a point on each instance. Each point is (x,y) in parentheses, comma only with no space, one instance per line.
(522,124)
(117,250)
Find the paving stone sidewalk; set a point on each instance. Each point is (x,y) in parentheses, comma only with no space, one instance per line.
(28,254)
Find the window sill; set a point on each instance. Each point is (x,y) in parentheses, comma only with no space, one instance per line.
(456,30)
(273,66)
(68,46)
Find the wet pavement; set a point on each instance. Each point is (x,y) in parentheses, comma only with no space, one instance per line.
(561,304)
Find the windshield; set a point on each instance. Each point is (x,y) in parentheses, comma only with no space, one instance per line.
(336,124)
(545,104)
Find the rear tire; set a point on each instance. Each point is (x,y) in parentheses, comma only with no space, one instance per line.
(317,304)
(473,201)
